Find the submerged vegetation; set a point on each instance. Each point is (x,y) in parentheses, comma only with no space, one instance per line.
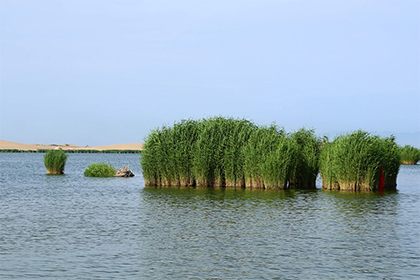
(227,152)
(354,161)
(55,161)
(100,170)
(409,155)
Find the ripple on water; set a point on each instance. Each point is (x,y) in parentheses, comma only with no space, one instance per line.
(72,227)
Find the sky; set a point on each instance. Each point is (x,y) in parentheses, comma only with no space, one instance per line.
(100,72)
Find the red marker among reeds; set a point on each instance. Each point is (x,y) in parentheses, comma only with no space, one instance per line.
(381,180)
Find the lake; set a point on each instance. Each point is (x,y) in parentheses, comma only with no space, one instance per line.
(74,227)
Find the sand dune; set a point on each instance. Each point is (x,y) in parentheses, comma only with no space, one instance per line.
(131,146)
(7,145)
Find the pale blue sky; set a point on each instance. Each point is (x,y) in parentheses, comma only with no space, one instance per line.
(106,72)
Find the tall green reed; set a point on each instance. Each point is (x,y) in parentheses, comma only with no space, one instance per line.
(167,158)
(409,154)
(306,166)
(228,152)
(269,157)
(55,161)
(234,156)
(208,160)
(353,162)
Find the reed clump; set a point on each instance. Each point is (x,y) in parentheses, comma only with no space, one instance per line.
(217,154)
(268,158)
(228,152)
(306,168)
(55,161)
(100,170)
(353,162)
(409,154)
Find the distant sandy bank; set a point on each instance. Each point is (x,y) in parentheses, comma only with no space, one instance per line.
(6,145)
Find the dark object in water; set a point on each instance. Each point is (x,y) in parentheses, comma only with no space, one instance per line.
(124,172)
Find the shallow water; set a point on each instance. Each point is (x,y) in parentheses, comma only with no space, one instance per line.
(73,227)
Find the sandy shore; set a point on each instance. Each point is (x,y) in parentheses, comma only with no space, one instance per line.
(6,145)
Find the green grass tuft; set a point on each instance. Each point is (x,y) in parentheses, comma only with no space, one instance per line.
(55,161)
(409,154)
(100,170)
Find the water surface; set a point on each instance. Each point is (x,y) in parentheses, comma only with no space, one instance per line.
(73,227)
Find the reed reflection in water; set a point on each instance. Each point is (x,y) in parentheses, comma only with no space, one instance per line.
(243,233)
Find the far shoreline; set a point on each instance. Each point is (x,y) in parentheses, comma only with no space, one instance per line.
(80,151)
(13,147)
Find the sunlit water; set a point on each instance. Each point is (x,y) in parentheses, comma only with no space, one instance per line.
(73,227)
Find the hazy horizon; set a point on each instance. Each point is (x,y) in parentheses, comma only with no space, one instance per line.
(401,139)
(107,72)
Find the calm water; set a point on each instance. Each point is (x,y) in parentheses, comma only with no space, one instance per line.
(72,227)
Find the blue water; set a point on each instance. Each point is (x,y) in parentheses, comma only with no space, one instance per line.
(73,227)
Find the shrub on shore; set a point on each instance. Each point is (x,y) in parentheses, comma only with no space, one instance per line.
(55,161)
(100,170)
(409,154)
(353,162)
